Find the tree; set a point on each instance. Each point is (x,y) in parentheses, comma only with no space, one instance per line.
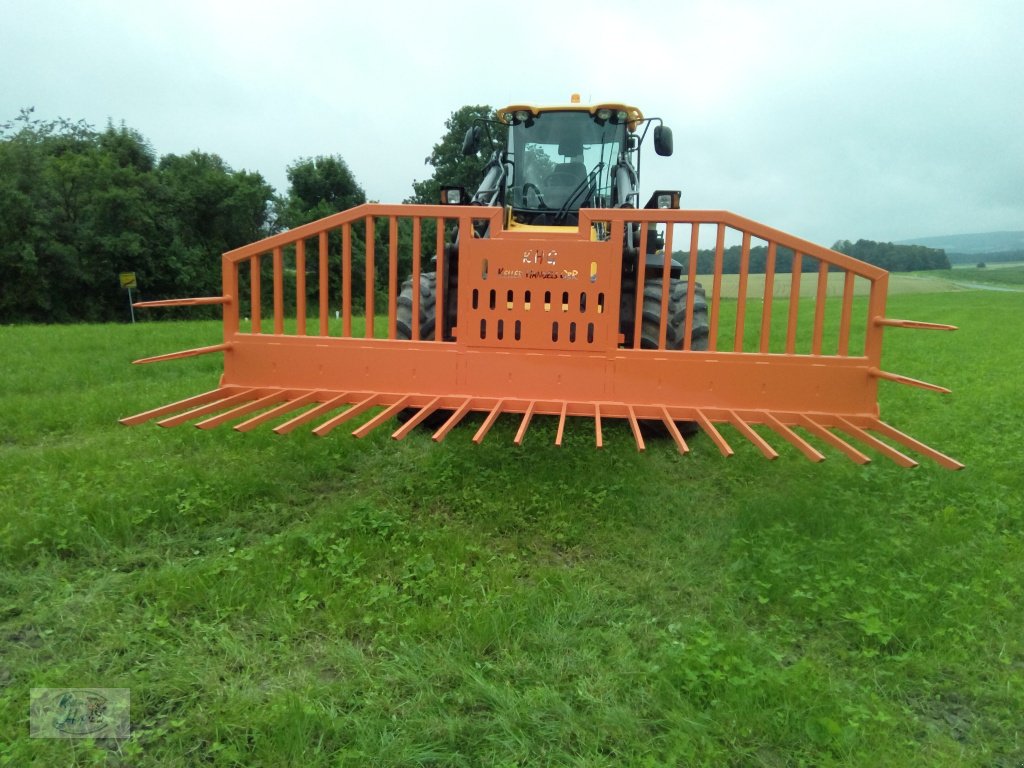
(318,187)
(451,167)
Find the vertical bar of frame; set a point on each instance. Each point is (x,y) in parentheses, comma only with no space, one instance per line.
(417,235)
(278,291)
(300,287)
(691,284)
(873,334)
(666,274)
(346,280)
(439,308)
(392,276)
(794,302)
(716,291)
(641,278)
(844,321)
(256,302)
(371,275)
(229,289)
(819,307)
(324,297)
(741,294)
(769,294)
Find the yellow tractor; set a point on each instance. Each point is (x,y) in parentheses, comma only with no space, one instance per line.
(550,291)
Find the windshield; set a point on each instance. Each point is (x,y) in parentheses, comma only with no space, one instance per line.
(562,161)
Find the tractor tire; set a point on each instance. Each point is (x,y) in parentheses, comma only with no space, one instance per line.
(675,330)
(428,324)
(428,308)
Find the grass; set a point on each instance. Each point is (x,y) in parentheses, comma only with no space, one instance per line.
(330,602)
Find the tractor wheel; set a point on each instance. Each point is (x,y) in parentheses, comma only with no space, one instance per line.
(428,323)
(675,330)
(676,326)
(428,307)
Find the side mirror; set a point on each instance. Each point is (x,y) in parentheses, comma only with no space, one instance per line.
(663,140)
(471,144)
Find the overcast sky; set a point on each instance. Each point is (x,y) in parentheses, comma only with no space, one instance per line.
(878,120)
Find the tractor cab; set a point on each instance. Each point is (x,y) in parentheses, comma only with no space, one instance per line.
(560,159)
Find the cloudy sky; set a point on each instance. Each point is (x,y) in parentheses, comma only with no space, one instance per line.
(882,120)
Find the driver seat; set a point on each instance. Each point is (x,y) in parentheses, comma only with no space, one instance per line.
(561,183)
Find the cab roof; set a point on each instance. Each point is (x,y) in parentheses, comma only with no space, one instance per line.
(633,114)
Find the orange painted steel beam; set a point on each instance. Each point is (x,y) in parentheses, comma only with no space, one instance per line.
(181,405)
(417,419)
(203,410)
(286,407)
(183,354)
(199,301)
(453,420)
(313,413)
(673,431)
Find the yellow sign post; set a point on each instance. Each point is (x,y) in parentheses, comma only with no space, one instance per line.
(128,282)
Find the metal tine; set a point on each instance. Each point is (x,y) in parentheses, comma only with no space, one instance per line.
(454,419)
(283,408)
(832,439)
(363,405)
(915,445)
(415,421)
(748,432)
(561,424)
(635,426)
(205,397)
(242,410)
(673,430)
(597,425)
(524,425)
(312,413)
(381,417)
(202,410)
(714,434)
(884,448)
(488,422)
(792,437)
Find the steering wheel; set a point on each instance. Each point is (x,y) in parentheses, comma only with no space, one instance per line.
(536,190)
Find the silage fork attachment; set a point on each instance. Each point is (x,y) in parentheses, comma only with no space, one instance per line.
(535,328)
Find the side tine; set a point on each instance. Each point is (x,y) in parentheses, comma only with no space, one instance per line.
(454,419)
(561,425)
(380,418)
(242,410)
(241,397)
(488,422)
(793,438)
(524,425)
(714,434)
(635,426)
(915,445)
(312,413)
(597,425)
(180,405)
(673,430)
(416,420)
(832,439)
(363,405)
(283,408)
(748,432)
(883,448)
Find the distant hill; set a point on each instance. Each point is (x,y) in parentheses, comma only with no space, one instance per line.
(993,246)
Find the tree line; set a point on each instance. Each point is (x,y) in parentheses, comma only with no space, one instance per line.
(79,205)
(893,258)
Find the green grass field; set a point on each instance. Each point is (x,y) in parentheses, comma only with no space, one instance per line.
(297,601)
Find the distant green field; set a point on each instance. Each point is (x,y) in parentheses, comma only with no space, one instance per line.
(297,601)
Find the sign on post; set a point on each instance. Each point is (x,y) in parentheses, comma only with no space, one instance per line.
(128,282)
